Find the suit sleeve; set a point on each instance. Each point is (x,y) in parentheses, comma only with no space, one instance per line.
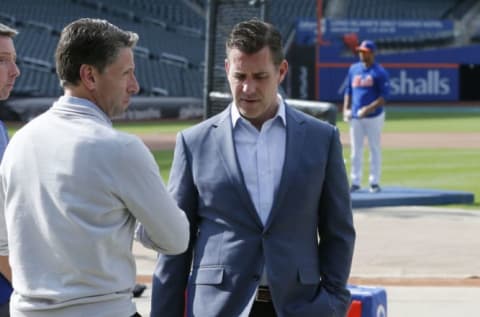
(171,272)
(336,230)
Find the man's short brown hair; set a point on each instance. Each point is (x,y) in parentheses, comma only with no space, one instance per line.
(253,35)
(5,30)
(89,41)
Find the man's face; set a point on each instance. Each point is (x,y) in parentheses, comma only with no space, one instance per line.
(366,56)
(8,68)
(254,81)
(116,84)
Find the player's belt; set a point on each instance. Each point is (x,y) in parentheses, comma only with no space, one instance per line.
(263,294)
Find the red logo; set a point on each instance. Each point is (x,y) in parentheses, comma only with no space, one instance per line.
(358,81)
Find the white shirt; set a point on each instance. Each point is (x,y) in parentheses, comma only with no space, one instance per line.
(261,155)
(71,190)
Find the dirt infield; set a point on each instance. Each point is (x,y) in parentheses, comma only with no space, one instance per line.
(157,142)
(426,140)
(417,281)
(384,281)
(389,140)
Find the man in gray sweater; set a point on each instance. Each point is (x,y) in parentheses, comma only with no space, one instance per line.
(72,188)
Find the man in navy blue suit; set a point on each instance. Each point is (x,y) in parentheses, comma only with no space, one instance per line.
(266,193)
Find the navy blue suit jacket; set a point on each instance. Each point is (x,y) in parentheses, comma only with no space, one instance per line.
(306,245)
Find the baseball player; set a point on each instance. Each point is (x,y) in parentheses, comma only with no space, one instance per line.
(365,94)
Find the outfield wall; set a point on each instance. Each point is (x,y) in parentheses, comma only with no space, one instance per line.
(140,108)
(446,73)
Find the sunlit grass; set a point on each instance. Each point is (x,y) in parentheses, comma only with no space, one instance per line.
(449,169)
(446,169)
(444,122)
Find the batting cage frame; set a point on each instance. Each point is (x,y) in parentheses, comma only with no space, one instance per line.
(222,15)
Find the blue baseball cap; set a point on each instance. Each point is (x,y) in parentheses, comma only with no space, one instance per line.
(367,46)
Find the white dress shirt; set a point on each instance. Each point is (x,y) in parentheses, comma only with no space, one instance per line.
(261,155)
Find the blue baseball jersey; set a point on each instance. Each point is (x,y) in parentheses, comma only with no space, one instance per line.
(366,85)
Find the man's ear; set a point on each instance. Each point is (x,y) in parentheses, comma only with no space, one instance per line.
(282,70)
(227,66)
(87,76)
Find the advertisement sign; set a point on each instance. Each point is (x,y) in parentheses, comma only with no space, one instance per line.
(423,62)
(406,83)
(373,29)
(306,32)
(335,29)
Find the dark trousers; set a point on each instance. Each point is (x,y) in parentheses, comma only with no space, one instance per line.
(262,309)
(136,315)
(5,310)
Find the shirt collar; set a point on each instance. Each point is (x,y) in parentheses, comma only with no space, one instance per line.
(235,114)
(71,100)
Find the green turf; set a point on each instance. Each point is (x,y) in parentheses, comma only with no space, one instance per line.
(428,168)
(154,126)
(397,121)
(420,168)
(164,161)
(426,121)
(456,169)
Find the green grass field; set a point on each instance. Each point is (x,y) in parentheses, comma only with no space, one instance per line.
(428,121)
(419,168)
(397,121)
(151,127)
(451,169)
(429,168)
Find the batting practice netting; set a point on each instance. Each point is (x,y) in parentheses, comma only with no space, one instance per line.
(222,16)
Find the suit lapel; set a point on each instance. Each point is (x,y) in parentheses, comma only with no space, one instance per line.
(294,144)
(223,134)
